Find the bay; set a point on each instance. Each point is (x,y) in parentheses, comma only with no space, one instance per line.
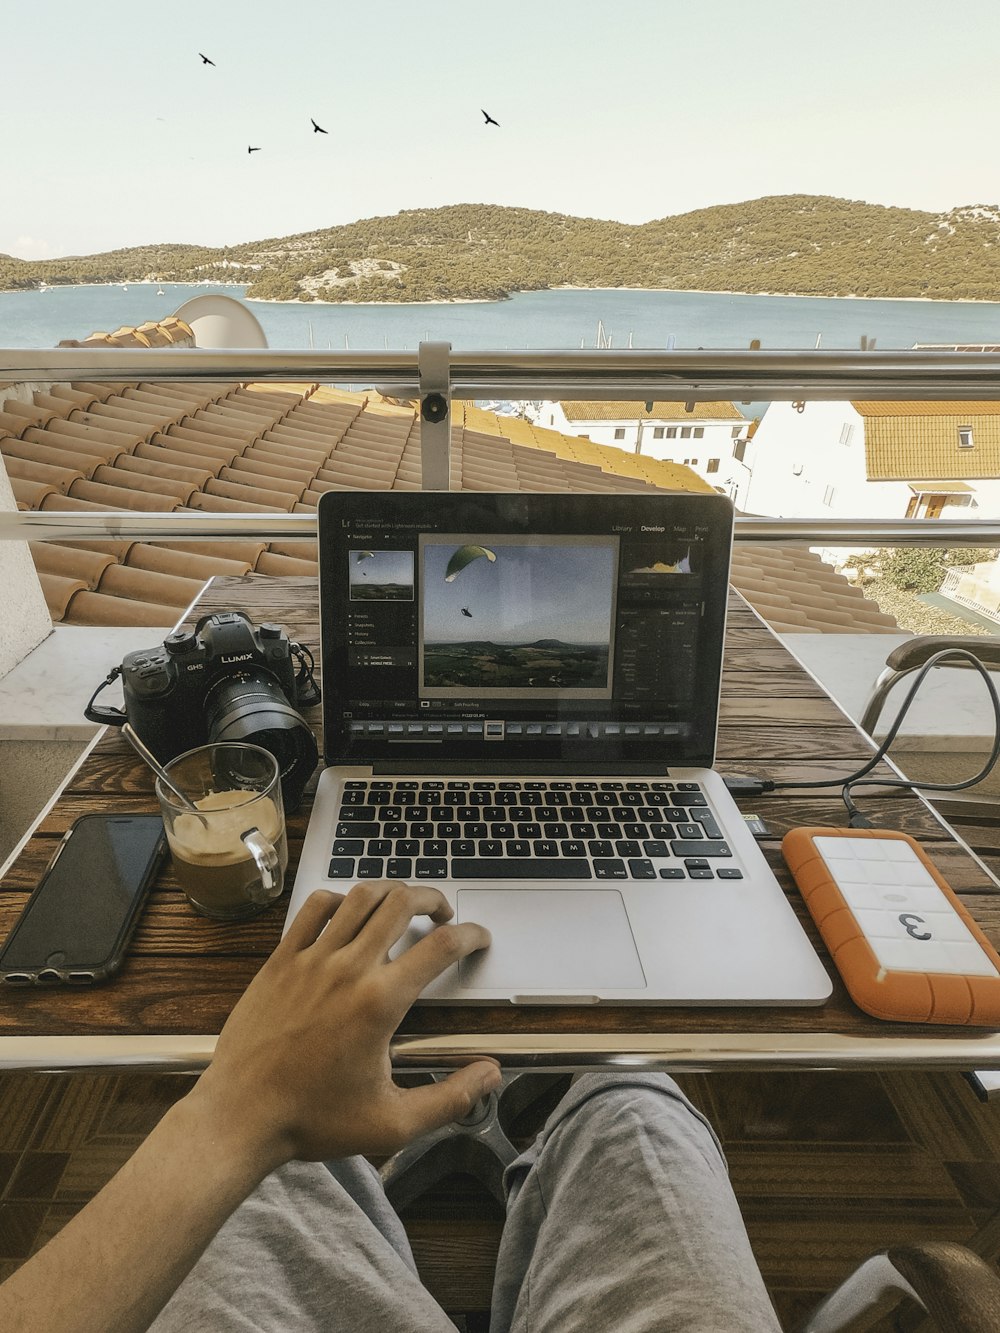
(558,319)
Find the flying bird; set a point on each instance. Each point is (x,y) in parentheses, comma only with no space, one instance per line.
(489,119)
(205,60)
(318,129)
(253,150)
(466,612)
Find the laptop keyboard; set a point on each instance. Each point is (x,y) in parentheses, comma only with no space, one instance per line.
(524,829)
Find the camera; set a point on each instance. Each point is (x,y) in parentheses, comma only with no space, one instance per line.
(225,680)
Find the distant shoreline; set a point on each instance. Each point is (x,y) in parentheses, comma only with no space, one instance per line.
(476,300)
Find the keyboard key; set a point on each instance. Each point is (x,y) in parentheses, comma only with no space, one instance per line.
(380,785)
(696,863)
(545,847)
(357,814)
(529,829)
(458,786)
(490,847)
(701,874)
(609,830)
(704,818)
(380,847)
(355,785)
(502,830)
(611,869)
(398,829)
(517,847)
(572,847)
(342,867)
(689,799)
(484,786)
(655,847)
(349,830)
(468,867)
(729,872)
(449,829)
(477,829)
(348,846)
(555,830)
(634,830)
(641,869)
(371,867)
(407,786)
(637,786)
(689,831)
(688,786)
(425,830)
(627,847)
(435,847)
(611,786)
(583,830)
(689,847)
(672,872)
(600,847)
(353,798)
(463,847)
(431,868)
(407,847)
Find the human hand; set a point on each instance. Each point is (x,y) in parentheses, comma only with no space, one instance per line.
(301,1069)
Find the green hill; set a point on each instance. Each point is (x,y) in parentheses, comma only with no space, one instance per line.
(795,244)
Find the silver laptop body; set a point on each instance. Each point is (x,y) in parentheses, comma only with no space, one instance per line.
(521,697)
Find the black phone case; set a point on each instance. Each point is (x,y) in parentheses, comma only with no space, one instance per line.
(85,975)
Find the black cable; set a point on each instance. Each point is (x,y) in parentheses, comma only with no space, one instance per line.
(855,818)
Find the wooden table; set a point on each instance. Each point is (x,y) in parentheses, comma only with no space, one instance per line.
(184,972)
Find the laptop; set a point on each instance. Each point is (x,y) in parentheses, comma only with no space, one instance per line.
(520,701)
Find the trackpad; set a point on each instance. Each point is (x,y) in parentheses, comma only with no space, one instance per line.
(550,939)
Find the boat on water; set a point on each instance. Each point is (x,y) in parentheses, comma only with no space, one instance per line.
(159,291)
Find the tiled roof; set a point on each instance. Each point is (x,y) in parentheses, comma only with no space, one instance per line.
(621,411)
(907,441)
(264,448)
(169,332)
(248,448)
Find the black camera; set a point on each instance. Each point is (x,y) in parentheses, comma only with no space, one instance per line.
(222,681)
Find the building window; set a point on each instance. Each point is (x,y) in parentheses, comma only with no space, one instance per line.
(828,496)
(736,432)
(965,440)
(657,432)
(685,432)
(699,432)
(739,450)
(671,432)
(846,433)
(712,465)
(619,432)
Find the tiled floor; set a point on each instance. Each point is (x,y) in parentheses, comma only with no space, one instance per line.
(828,1168)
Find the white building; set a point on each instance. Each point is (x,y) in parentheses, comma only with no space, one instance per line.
(876,460)
(711,439)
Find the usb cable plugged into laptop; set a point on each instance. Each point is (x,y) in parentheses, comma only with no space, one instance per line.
(749,786)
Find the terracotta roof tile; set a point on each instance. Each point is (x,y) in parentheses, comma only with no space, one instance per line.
(263,464)
(316,443)
(12,425)
(63,400)
(204,432)
(77,430)
(131,480)
(144,585)
(94,608)
(284,564)
(246,552)
(183,564)
(240,490)
(270,484)
(35,416)
(101,392)
(119,550)
(29,494)
(74,504)
(122,497)
(151,466)
(59,592)
(193,442)
(275,389)
(68,562)
(181,459)
(304,549)
(47,474)
(221,504)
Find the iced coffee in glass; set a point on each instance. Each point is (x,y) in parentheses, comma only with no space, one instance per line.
(230,852)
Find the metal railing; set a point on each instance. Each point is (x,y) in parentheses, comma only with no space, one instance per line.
(435,371)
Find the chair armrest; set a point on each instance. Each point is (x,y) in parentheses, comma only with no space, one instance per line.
(915,652)
(958,1289)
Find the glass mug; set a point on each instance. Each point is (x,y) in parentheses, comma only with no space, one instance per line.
(231,854)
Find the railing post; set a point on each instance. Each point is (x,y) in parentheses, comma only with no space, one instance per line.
(433,361)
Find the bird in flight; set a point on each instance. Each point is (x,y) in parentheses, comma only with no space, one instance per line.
(253,150)
(466,612)
(489,119)
(318,129)
(205,60)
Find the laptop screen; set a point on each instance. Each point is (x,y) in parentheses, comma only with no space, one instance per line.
(522,631)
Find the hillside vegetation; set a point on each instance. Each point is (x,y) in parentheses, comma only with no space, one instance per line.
(797,244)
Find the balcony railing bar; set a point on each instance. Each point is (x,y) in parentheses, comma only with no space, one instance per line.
(37,525)
(644,375)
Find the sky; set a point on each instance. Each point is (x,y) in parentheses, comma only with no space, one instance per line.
(529,592)
(116,134)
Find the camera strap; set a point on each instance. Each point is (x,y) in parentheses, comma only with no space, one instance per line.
(306,689)
(112,717)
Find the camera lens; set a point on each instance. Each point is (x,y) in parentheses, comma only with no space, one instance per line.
(252,707)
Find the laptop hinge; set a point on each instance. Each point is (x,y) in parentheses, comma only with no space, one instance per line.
(490,768)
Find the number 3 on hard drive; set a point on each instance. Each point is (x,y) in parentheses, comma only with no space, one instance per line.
(909,921)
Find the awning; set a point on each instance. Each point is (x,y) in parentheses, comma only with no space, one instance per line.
(939,487)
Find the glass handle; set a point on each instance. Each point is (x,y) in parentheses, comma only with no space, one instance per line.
(268,864)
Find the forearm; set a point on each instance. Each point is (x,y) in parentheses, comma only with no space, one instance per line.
(116,1264)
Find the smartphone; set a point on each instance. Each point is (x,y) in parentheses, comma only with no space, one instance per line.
(76,925)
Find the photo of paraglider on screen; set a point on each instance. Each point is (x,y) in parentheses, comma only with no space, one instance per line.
(510,617)
(380,576)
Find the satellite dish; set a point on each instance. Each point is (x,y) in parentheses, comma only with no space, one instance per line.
(221,322)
